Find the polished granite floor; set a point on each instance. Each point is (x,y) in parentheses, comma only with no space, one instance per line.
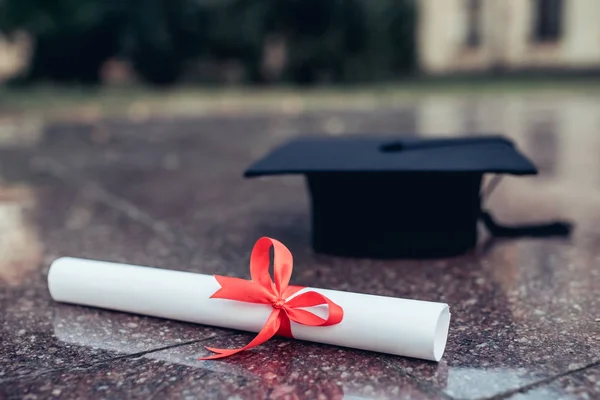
(169,193)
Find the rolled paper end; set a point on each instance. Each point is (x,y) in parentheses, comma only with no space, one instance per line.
(54,276)
(441,334)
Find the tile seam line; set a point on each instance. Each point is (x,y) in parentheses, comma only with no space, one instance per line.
(541,382)
(109,360)
(57,170)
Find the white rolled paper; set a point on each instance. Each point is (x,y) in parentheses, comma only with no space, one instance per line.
(409,328)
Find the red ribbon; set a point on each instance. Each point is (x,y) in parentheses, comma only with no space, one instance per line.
(262,290)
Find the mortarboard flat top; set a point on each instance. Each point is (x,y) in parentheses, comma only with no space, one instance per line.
(380,197)
(493,154)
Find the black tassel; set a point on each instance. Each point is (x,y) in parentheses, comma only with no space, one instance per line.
(558,228)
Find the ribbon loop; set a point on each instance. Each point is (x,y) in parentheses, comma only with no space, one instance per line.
(282,264)
(262,290)
(312,299)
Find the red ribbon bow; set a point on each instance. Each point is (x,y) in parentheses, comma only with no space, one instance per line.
(262,290)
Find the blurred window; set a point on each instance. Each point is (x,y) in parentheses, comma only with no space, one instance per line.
(548,20)
(473,38)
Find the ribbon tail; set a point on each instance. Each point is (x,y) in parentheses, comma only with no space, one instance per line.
(267,332)
(241,290)
(285,326)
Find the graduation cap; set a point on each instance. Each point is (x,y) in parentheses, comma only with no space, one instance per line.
(400,198)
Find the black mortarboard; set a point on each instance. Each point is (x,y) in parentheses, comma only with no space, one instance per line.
(395,198)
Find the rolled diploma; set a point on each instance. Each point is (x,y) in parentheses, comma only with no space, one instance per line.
(409,328)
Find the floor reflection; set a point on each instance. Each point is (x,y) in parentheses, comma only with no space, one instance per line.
(543,138)
(490,380)
(20,245)
(560,134)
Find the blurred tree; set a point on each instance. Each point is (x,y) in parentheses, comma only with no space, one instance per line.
(321,37)
(322,40)
(237,31)
(153,40)
(390,50)
(71,41)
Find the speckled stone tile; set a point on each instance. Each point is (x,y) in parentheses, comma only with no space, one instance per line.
(523,310)
(49,219)
(280,369)
(581,385)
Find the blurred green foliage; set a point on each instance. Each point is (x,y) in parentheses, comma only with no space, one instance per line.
(323,40)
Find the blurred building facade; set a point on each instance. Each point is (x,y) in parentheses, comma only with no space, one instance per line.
(457,36)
